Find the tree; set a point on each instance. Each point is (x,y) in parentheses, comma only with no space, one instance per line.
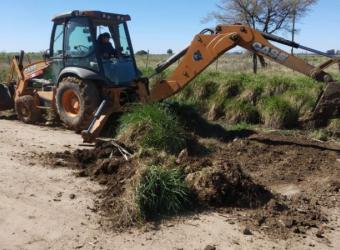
(269,16)
(170,52)
(142,53)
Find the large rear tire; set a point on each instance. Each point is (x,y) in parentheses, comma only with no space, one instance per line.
(76,102)
(26,109)
(6,100)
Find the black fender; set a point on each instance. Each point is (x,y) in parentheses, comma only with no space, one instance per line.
(6,98)
(81,73)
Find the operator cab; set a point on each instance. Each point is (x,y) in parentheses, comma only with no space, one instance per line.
(76,42)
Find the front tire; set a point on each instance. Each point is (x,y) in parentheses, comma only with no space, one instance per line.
(76,102)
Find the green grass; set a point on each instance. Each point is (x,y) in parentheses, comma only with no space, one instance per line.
(301,100)
(241,97)
(241,111)
(239,126)
(320,134)
(153,126)
(162,191)
(278,113)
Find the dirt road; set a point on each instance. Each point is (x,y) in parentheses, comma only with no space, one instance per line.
(45,208)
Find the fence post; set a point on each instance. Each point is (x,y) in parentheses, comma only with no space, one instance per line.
(147,59)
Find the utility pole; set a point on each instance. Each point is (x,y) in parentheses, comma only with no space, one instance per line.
(293,26)
(147,59)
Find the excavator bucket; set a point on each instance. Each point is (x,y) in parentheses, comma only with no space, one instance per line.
(328,105)
(6,99)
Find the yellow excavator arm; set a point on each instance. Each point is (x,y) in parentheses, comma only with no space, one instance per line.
(206,48)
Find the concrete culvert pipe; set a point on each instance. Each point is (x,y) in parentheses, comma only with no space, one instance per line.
(6,100)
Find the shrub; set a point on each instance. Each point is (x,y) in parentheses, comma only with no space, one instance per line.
(142,53)
(278,113)
(241,111)
(320,134)
(162,191)
(301,100)
(278,84)
(152,126)
(333,128)
(205,90)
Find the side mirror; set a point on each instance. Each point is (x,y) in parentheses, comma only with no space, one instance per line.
(46,55)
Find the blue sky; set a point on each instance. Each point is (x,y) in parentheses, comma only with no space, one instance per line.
(156,25)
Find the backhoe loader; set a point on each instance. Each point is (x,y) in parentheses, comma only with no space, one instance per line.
(86,88)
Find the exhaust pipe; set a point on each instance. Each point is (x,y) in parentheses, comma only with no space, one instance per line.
(6,99)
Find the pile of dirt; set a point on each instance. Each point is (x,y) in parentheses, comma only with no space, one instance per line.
(282,216)
(226,185)
(273,183)
(104,164)
(303,175)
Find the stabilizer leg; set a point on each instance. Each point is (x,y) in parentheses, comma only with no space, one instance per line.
(98,122)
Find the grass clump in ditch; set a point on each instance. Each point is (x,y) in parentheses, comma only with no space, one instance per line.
(152,126)
(301,100)
(162,191)
(241,111)
(320,134)
(278,113)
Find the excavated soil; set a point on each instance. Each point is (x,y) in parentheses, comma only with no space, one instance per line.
(274,183)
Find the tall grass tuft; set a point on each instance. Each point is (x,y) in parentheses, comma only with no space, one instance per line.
(278,113)
(162,191)
(152,126)
(241,111)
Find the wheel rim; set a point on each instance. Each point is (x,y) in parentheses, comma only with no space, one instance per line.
(71,103)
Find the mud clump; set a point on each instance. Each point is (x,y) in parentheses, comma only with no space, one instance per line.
(226,185)
(282,216)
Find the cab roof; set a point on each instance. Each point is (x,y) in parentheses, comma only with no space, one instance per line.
(93,14)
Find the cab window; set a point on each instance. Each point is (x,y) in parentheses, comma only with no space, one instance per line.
(79,40)
(57,45)
(79,44)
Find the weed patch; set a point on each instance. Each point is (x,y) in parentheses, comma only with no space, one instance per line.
(241,111)
(278,113)
(162,191)
(152,126)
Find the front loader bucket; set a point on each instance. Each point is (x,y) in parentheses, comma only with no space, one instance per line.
(328,105)
(6,99)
